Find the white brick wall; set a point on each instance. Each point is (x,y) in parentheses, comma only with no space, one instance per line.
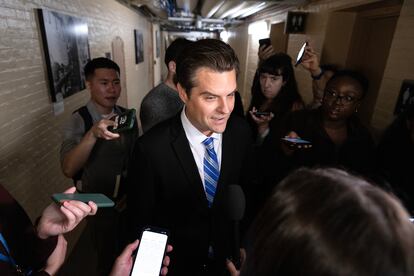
(29,131)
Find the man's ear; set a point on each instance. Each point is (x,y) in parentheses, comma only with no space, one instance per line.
(181,92)
(172,66)
(88,85)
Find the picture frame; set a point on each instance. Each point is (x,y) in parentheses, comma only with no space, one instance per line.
(406,96)
(295,22)
(66,52)
(157,43)
(139,46)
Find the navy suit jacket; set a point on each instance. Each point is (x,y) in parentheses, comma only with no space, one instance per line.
(165,190)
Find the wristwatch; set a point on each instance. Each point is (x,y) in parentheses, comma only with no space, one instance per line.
(318,76)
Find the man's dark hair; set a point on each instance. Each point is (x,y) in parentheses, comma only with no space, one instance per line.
(361,79)
(97,63)
(175,49)
(329,222)
(210,53)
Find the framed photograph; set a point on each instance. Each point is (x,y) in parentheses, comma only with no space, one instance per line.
(406,96)
(66,48)
(139,46)
(295,22)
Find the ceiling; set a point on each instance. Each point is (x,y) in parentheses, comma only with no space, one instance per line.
(208,15)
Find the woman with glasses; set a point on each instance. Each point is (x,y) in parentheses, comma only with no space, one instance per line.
(335,136)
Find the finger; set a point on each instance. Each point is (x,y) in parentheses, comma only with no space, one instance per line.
(94,208)
(231,268)
(79,208)
(129,249)
(77,212)
(169,248)
(164,271)
(166,261)
(71,190)
(108,135)
(70,217)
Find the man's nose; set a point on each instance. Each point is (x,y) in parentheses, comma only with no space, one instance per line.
(224,106)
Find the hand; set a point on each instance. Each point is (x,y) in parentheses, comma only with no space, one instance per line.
(100,130)
(123,264)
(261,121)
(231,268)
(265,51)
(310,61)
(290,147)
(56,259)
(56,220)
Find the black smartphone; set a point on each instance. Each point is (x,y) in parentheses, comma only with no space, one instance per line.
(301,53)
(260,113)
(100,200)
(297,142)
(124,121)
(150,252)
(265,41)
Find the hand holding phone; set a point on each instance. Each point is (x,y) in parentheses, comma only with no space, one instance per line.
(297,143)
(151,251)
(124,121)
(100,200)
(265,41)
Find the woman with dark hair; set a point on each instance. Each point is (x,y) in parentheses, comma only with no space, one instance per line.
(337,137)
(274,94)
(327,222)
(395,148)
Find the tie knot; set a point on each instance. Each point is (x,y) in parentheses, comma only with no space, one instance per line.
(209,143)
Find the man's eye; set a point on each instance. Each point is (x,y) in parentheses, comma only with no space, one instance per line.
(332,93)
(210,97)
(104,83)
(116,82)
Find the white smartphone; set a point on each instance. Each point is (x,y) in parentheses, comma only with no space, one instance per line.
(150,252)
(301,53)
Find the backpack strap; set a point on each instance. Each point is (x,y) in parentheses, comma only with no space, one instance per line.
(86,116)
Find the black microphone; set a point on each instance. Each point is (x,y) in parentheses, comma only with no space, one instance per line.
(236,205)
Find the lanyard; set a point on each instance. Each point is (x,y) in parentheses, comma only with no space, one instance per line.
(8,258)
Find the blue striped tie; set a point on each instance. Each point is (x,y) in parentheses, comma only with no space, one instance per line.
(211,170)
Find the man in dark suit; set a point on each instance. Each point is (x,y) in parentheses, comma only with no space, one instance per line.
(177,182)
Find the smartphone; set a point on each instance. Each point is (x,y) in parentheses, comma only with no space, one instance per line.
(124,121)
(301,54)
(100,200)
(150,252)
(297,142)
(260,113)
(265,41)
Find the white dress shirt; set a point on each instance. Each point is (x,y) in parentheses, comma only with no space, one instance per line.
(196,138)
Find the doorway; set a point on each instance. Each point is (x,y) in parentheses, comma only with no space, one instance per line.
(119,58)
(369,48)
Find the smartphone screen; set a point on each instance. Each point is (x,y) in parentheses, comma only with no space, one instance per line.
(301,53)
(296,140)
(148,261)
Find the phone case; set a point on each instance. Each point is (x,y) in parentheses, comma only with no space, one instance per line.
(100,200)
(124,121)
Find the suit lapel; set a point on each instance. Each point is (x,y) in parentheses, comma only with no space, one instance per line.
(185,156)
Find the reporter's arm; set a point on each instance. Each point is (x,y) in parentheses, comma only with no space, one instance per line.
(74,159)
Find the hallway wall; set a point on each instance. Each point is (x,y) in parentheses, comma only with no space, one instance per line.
(398,66)
(29,131)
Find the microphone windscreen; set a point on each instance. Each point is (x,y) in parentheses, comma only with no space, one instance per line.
(236,202)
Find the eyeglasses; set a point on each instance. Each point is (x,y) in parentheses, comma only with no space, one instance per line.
(346,99)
